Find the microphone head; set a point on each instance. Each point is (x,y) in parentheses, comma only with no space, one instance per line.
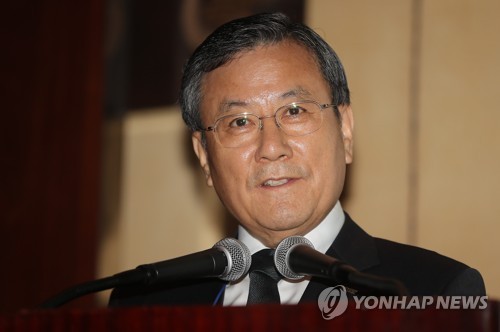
(281,256)
(238,257)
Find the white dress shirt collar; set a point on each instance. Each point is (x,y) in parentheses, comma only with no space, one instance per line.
(322,237)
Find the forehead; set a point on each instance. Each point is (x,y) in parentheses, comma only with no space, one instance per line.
(264,75)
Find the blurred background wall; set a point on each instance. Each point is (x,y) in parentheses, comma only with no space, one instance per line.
(423,75)
(93,86)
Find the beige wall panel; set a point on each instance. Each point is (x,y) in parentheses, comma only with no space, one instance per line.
(372,39)
(165,210)
(460,132)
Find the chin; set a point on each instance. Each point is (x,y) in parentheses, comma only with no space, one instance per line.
(285,222)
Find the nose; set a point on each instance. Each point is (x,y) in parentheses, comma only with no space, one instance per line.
(273,142)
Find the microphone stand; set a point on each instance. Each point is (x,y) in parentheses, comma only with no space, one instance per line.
(210,262)
(343,273)
(124,278)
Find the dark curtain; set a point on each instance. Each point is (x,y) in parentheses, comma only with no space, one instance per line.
(51,86)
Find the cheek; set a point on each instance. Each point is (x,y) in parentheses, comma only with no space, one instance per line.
(320,147)
(230,167)
(325,155)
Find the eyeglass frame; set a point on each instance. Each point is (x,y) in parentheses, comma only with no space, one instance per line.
(213,127)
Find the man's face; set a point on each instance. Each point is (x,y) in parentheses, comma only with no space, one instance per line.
(279,185)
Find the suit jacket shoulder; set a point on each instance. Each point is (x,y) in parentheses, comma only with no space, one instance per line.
(422,271)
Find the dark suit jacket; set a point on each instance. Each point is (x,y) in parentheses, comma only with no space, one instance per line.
(423,272)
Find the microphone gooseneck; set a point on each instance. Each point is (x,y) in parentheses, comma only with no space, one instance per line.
(229,260)
(296,257)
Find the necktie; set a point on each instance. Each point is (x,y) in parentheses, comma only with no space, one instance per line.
(263,278)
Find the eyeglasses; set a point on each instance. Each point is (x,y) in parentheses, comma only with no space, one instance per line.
(295,119)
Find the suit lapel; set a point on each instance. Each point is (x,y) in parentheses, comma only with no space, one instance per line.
(353,246)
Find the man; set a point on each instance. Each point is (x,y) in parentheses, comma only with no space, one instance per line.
(268,103)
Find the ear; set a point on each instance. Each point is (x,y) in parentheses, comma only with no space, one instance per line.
(201,153)
(347,122)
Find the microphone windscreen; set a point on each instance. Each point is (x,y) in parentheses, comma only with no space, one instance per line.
(238,256)
(281,256)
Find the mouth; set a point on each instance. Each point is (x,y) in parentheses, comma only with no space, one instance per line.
(276,182)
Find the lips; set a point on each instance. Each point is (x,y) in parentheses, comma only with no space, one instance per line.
(277,175)
(275,183)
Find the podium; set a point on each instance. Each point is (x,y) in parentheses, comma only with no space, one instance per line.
(303,317)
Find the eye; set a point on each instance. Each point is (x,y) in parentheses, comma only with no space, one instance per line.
(240,122)
(294,111)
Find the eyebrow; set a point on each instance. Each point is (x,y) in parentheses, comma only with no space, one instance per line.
(297,92)
(226,105)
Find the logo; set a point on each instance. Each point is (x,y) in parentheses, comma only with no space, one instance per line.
(332,302)
(421,302)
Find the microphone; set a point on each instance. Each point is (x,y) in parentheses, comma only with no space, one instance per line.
(295,257)
(229,260)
